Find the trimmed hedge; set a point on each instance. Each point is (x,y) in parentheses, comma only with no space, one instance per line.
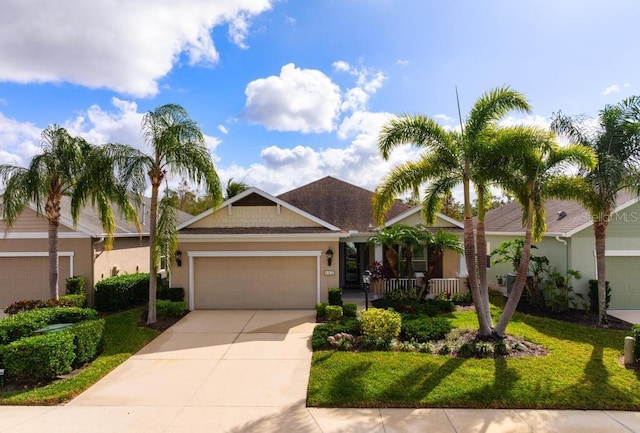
(423,329)
(75,285)
(635,329)
(175,294)
(321,309)
(335,296)
(43,357)
(350,309)
(122,292)
(170,308)
(24,324)
(78,300)
(88,340)
(333,312)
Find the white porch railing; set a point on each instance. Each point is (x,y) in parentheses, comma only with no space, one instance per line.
(436,285)
(444,285)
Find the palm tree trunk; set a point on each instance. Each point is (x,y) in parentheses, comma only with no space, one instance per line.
(484,322)
(153,260)
(521,278)
(481,245)
(600,232)
(53,259)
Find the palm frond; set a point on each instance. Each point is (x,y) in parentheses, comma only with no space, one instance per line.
(417,130)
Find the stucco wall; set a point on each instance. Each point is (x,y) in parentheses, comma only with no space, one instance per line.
(416,218)
(128,256)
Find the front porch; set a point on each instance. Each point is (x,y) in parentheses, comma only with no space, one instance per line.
(382,288)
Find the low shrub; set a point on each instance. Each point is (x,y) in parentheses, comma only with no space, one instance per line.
(323,331)
(175,294)
(335,296)
(333,312)
(75,285)
(72,315)
(78,300)
(462,299)
(38,358)
(423,329)
(24,324)
(635,329)
(88,340)
(166,308)
(443,305)
(350,309)
(321,309)
(384,325)
(122,292)
(28,305)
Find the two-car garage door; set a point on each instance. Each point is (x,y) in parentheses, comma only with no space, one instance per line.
(27,277)
(255,282)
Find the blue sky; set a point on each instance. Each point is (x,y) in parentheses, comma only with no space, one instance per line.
(290,91)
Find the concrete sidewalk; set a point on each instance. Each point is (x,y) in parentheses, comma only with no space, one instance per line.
(247,371)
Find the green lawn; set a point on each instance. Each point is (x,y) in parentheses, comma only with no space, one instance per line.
(581,371)
(122,339)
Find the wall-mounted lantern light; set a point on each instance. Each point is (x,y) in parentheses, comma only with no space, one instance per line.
(329,254)
(179,258)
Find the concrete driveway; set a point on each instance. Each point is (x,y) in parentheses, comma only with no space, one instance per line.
(247,371)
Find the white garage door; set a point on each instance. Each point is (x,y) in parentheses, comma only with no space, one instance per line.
(622,274)
(28,278)
(255,282)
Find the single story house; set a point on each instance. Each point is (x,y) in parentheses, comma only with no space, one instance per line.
(24,266)
(569,243)
(266,252)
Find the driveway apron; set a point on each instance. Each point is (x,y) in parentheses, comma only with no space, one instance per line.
(220,368)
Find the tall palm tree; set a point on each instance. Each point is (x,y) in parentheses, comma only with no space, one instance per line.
(528,164)
(616,142)
(390,238)
(177,145)
(449,159)
(67,166)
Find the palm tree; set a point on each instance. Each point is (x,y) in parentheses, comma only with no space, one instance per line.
(67,166)
(529,165)
(389,237)
(177,145)
(449,159)
(616,143)
(234,188)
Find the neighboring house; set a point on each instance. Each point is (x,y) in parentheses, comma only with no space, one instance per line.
(569,244)
(24,265)
(261,251)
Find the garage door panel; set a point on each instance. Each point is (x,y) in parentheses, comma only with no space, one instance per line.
(28,278)
(625,288)
(255,282)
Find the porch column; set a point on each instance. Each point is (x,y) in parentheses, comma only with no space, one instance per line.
(377,253)
(462,273)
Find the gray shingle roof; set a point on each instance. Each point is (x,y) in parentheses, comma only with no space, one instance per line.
(89,220)
(563,216)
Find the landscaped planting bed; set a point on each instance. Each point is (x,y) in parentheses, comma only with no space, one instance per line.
(568,366)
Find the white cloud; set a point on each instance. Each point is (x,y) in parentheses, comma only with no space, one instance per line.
(282,169)
(341,65)
(303,100)
(223,129)
(402,62)
(611,89)
(19,141)
(124,46)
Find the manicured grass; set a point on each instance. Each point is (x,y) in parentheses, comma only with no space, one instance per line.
(122,339)
(581,371)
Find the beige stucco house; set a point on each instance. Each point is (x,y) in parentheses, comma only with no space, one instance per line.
(569,243)
(24,271)
(261,251)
